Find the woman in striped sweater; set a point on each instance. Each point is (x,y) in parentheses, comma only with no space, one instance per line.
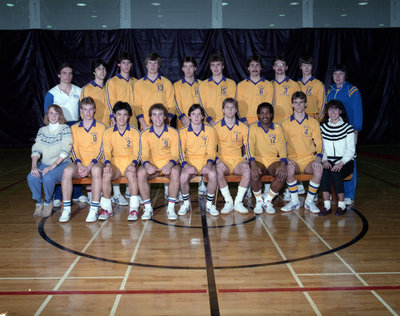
(338,154)
(50,155)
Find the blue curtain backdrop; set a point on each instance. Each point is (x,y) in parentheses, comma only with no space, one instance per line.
(30,58)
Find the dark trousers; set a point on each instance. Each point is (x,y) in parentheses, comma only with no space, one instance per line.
(336,178)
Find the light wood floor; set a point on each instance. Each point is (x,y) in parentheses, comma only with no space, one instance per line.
(234,264)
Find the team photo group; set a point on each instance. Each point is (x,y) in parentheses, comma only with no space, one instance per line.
(121,127)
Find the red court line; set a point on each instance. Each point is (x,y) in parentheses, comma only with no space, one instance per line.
(11,185)
(381,156)
(313,289)
(113,292)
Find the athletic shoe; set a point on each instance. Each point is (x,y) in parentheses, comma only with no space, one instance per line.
(267,186)
(348,201)
(269,209)
(179,198)
(147,214)
(104,215)
(81,199)
(324,212)
(183,209)
(47,209)
(92,217)
(300,188)
(239,207)
(228,207)
(258,209)
(127,194)
(38,210)
(248,194)
(291,206)
(172,215)
(286,196)
(316,198)
(202,188)
(212,210)
(120,200)
(56,203)
(310,205)
(133,215)
(65,216)
(340,211)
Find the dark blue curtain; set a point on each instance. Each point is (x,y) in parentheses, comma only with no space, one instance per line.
(29,61)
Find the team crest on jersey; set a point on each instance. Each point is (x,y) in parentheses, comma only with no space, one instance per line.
(261,90)
(94,137)
(307,131)
(223,90)
(128,142)
(196,91)
(285,90)
(308,91)
(160,87)
(165,141)
(236,135)
(272,138)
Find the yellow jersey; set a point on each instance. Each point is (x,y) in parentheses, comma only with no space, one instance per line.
(316,97)
(283,98)
(231,140)
(186,95)
(99,95)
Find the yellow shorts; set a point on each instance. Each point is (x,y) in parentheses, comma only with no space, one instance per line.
(268,161)
(302,162)
(122,164)
(197,163)
(231,162)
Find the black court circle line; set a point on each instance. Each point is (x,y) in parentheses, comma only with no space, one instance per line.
(362,233)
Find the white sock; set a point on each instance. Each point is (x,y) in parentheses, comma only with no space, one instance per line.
(240,194)
(226,194)
(327,204)
(134,202)
(342,205)
(107,204)
(116,189)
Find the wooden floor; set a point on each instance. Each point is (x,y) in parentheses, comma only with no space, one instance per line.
(234,264)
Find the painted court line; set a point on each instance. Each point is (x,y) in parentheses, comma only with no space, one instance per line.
(308,297)
(348,266)
(128,270)
(71,267)
(347,273)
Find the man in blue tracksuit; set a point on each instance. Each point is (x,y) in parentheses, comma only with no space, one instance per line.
(351,98)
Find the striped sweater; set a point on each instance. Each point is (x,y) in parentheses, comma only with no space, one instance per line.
(338,142)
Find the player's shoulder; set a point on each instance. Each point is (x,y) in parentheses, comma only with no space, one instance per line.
(133,128)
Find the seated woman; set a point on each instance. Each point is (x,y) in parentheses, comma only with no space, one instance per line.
(52,147)
(338,155)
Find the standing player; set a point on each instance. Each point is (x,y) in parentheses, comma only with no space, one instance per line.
(96,89)
(152,88)
(159,152)
(198,153)
(121,153)
(231,138)
(284,89)
(215,90)
(66,95)
(86,152)
(313,88)
(266,150)
(253,91)
(120,88)
(351,98)
(186,90)
(304,146)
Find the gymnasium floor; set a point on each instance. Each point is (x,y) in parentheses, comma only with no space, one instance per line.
(234,264)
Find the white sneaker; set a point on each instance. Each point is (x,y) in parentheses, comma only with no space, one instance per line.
(300,188)
(311,207)
(291,206)
(183,209)
(56,203)
(104,215)
(258,209)
(133,215)
(212,210)
(286,196)
(92,217)
(81,199)
(228,207)
(269,209)
(172,215)
(267,186)
(147,214)
(315,198)
(120,200)
(239,207)
(348,201)
(202,188)
(65,216)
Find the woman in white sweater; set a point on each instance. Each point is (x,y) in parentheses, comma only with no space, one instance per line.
(50,155)
(338,154)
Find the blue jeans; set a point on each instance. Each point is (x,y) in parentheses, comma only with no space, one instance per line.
(49,181)
(350,186)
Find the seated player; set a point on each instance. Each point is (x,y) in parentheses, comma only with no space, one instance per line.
(304,145)
(231,137)
(198,153)
(86,152)
(266,151)
(159,154)
(121,156)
